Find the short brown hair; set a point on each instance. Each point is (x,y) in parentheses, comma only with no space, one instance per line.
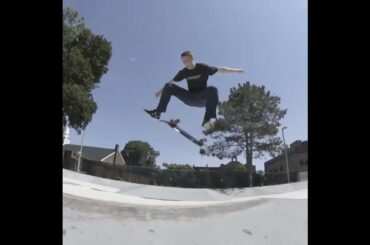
(187,53)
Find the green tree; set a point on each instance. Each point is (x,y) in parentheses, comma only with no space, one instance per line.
(139,153)
(85,61)
(249,125)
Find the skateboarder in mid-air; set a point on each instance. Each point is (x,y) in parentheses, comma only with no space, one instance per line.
(198,93)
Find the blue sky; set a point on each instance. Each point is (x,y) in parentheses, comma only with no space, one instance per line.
(266,38)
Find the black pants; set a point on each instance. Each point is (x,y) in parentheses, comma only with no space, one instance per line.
(206,98)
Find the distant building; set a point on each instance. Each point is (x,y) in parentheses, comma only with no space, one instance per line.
(275,169)
(103,162)
(107,155)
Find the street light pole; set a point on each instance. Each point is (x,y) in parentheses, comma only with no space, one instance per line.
(79,157)
(286,155)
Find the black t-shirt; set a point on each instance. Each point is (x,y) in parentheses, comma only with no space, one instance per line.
(197,77)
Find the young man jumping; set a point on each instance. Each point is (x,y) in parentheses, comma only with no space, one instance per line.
(198,93)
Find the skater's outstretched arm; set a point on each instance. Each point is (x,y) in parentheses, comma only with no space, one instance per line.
(230,70)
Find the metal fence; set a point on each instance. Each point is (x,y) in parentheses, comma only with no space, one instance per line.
(166,177)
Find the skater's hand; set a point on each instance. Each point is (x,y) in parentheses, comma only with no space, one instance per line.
(158,94)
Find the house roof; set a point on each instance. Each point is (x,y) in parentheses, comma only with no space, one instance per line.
(298,147)
(89,152)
